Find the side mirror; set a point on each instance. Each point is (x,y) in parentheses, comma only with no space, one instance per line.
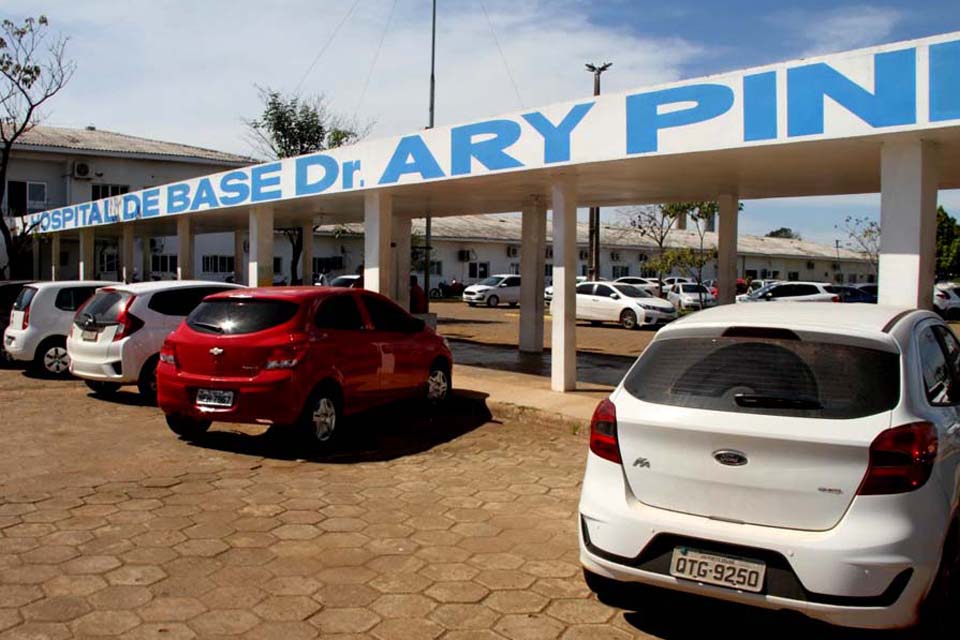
(503,284)
(615,296)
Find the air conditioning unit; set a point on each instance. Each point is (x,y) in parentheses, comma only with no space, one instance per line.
(810,265)
(512,251)
(584,254)
(82,170)
(463,255)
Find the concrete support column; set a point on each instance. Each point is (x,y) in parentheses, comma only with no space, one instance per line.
(401,262)
(306,257)
(908,223)
(185,248)
(377,226)
(532,246)
(126,253)
(145,258)
(35,257)
(729,211)
(54,256)
(238,259)
(260,258)
(87,255)
(563,360)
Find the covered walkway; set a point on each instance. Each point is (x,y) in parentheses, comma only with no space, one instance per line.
(885,119)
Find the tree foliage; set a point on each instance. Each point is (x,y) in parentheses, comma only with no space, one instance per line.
(948,245)
(863,236)
(291,125)
(33,69)
(784,232)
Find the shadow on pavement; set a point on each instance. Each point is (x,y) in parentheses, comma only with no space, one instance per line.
(594,368)
(385,433)
(678,616)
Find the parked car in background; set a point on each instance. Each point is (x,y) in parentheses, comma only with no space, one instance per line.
(649,284)
(713,286)
(869,287)
(40,322)
(9,290)
(117,334)
(804,461)
(494,290)
(348,281)
(685,296)
(548,292)
(792,292)
(946,299)
(672,280)
(852,294)
(299,356)
(760,284)
(625,304)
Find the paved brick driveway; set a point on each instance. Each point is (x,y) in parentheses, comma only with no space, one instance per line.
(458,527)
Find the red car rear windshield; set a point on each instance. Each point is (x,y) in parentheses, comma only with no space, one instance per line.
(231,316)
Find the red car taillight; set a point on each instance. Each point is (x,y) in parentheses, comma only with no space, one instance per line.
(603,432)
(287,356)
(26,317)
(127,323)
(835,299)
(168,353)
(901,460)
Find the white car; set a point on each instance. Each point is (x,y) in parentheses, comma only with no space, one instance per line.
(548,292)
(494,290)
(40,321)
(946,298)
(760,284)
(622,303)
(649,284)
(690,295)
(117,334)
(792,292)
(807,462)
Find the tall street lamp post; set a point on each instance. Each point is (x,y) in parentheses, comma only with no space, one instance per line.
(594,239)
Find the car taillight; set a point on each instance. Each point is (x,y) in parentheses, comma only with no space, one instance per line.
(603,432)
(127,323)
(835,299)
(168,353)
(287,356)
(901,460)
(942,295)
(26,317)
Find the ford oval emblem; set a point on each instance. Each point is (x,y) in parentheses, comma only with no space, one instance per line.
(730,458)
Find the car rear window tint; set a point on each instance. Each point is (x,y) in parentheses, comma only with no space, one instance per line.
(72,298)
(780,377)
(103,308)
(9,293)
(24,298)
(387,316)
(181,300)
(339,312)
(231,316)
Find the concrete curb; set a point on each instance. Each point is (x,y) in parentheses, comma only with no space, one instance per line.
(507,411)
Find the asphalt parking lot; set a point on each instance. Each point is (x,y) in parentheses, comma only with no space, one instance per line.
(455,526)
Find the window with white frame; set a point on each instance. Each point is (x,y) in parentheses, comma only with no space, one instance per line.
(621,271)
(218,264)
(107,262)
(515,268)
(163,263)
(614,256)
(101,191)
(24,196)
(327,264)
(478,270)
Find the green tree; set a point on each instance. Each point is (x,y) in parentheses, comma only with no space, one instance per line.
(292,126)
(33,69)
(948,244)
(784,232)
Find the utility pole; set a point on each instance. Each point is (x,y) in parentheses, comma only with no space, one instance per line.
(593,268)
(839,266)
(428,231)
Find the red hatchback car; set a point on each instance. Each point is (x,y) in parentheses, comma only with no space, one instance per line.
(303,356)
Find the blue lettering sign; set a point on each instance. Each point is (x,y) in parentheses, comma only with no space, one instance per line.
(151,202)
(131,206)
(44,221)
(82,211)
(350,168)
(108,214)
(260,182)
(56,219)
(760,106)
(178,198)
(499,134)
(234,188)
(69,215)
(331,170)
(411,156)
(556,138)
(945,81)
(893,102)
(644,119)
(204,196)
(94,216)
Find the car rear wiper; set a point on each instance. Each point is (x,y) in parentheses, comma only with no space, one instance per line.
(207,325)
(775,402)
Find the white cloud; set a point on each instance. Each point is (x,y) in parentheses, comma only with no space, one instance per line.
(839,29)
(185,71)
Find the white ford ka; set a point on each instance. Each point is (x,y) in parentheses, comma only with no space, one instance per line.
(806,460)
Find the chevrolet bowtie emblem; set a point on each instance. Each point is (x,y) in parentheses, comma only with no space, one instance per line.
(216,351)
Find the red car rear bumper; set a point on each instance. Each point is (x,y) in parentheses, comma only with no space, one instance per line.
(270,396)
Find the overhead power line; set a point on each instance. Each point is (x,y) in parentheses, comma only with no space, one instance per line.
(376,56)
(506,66)
(326,45)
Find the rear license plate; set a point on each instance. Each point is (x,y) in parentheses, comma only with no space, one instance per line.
(214,398)
(89,336)
(723,571)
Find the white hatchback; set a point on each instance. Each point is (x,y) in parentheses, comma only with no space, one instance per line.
(494,290)
(792,292)
(690,295)
(626,304)
(117,335)
(805,462)
(40,321)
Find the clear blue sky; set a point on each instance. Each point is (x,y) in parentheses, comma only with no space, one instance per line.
(185,70)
